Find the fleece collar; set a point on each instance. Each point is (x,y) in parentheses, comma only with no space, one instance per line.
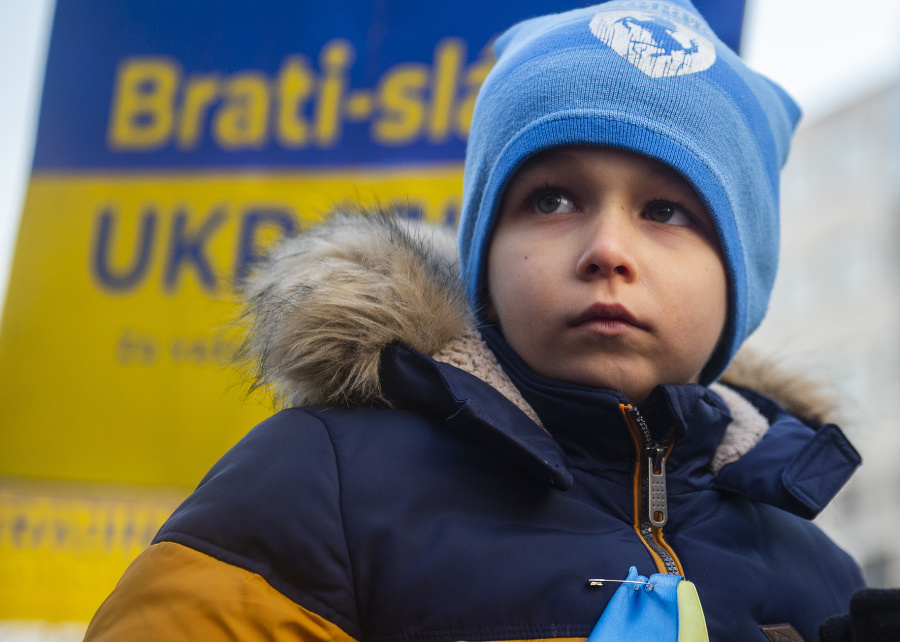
(793,466)
(472,408)
(591,417)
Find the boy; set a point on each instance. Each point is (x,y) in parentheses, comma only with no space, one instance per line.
(556,472)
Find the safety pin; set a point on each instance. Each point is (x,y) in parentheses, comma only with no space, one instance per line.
(647,585)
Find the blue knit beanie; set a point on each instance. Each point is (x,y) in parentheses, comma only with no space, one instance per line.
(650,77)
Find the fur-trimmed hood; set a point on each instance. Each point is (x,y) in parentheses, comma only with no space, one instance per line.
(325,304)
(327,301)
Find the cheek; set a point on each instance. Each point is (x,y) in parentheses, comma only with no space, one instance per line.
(506,284)
(696,304)
(718,287)
(709,305)
(497,282)
(515,286)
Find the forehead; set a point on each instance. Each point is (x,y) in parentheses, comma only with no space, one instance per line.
(584,157)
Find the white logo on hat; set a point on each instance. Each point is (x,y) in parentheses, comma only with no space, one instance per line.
(659,46)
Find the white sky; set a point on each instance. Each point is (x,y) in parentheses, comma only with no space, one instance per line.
(826,54)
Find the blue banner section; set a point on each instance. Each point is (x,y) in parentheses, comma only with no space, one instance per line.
(204,83)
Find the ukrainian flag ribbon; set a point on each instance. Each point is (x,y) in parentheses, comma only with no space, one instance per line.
(661,608)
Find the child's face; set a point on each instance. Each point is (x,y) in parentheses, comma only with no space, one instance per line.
(604,269)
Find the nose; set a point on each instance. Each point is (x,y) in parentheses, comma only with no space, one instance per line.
(608,249)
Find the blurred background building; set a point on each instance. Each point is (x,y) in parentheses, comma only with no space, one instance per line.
(835,311)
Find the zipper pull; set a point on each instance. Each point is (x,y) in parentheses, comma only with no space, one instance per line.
(658,505)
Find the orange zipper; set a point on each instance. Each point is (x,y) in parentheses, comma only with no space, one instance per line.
(648,487)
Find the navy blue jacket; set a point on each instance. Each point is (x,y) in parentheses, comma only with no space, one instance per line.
(455,517)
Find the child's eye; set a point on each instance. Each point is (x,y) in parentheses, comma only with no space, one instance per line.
(668,213)
(553,203)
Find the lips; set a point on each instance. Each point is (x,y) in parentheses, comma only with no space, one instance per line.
(609,317)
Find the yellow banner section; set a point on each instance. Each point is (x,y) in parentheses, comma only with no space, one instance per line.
(119,315)
(63,547)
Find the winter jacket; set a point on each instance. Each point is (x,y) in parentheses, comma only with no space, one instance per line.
(418,490)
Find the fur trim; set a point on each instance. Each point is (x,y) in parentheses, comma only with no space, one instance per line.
(801,396)
(327,301)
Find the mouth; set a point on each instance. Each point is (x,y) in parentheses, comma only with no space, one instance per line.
(607,319)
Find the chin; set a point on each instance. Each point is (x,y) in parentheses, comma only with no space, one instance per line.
(632,387)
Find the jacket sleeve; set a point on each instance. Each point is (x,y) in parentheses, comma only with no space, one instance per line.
(171,592)
(257,552)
